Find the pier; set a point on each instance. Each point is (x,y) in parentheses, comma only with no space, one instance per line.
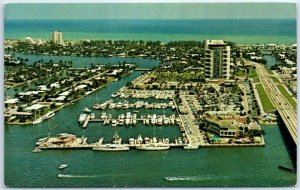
(137,143)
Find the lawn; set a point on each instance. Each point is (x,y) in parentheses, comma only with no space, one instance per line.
(266,102)
(270,72)
(287,96)
(275,79)
(256,80)
(252,73)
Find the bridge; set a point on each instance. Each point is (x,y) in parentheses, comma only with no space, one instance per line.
(284,108)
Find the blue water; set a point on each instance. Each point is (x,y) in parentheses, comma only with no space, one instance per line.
(238,30)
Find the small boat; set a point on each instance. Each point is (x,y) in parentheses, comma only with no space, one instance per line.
(191,147)
(82,118)
(286,168)
(60,175)
(86,110)
(39,120)
(93,116)
(63,166)
(114,95)
(96,106)
(36,150)
(111,147)
(48,115)
(116,79)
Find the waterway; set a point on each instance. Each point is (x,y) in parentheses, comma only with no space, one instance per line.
(243,166)
(271,60)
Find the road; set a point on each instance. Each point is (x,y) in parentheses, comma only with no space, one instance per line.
(286,111)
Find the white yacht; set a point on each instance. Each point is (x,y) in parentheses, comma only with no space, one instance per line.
(93,116)
(63,166)
(103,116)
(82,118)
(48,115)
(153,146)
(96,106)
(37,121)
(36,150)
(87,110)
(190,147)
(111,147)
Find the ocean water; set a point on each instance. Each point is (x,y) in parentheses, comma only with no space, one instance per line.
(248,31)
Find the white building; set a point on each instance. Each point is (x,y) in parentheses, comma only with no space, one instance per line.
(57,37)
(217,59)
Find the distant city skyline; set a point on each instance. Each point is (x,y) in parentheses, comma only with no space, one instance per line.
(152,11)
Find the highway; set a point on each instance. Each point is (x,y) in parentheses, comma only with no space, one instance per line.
(286,111)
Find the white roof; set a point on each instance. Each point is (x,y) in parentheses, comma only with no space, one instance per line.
(29,93)
(66,93)
(60,98)
(216,42)
(81,86)
(34,107)
(11,101)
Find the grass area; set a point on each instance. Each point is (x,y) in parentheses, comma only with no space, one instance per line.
(287,96)
(270,72)
(275,79)
(252,73)
(256,80)
(265,101)
(240,72)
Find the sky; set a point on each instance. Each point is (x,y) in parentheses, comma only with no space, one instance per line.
(151,11)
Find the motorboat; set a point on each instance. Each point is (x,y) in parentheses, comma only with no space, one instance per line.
(82,118)
(36,150)
(37,121)
(111,147)
(153,146)
(93,116)
(114,95)
(190,147)
(48,115)
(96,106)
(87,110)
(63,166)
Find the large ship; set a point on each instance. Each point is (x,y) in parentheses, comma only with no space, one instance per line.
(114,146)
(62,140)
(153,146)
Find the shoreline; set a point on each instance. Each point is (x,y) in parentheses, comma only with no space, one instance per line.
(66,104)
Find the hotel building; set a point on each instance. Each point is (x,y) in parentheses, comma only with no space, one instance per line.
(217,59)
(57,37)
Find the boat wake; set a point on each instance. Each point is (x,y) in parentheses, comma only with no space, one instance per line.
(75,176)
(189,178)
